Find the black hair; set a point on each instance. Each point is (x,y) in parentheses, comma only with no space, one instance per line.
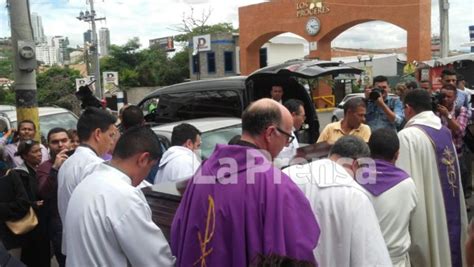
(460,78)
(25,146)
(450,87)
(412,85)
(350,146)
(353,103)
(182,133)
(26,121)
(234,140)
(379,79)
(139,139)
(57,130)
(447,72)
(255,119)
(419,100)
(274,260)
(293,105)
(132,116)
(384,144)
(91,119)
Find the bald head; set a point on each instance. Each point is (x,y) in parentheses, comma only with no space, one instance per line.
(268,124)
(259,115)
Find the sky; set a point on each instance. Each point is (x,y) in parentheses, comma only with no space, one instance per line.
(148,19)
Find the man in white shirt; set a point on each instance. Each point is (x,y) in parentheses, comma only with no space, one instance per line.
(180,161)
(96,130)
(296,108)
(350,232)
(427,153)
(391,185)
(108,222)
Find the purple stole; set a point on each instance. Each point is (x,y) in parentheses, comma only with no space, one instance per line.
(449,179)
(387,176)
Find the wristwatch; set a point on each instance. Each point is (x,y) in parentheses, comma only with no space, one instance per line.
(450,117)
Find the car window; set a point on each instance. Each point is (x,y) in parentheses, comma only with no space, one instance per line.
(65,120)
(220,136)
(192,105)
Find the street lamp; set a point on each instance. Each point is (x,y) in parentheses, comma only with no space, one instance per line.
(90,17)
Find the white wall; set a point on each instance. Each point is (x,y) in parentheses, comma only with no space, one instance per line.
(381,64)
(279,53)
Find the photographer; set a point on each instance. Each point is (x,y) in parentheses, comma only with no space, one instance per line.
(383,111)
(456,120)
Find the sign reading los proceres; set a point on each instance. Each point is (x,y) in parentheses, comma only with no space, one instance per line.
(311,8)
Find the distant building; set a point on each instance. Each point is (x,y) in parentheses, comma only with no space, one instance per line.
(104,41)
(61,43)
(76,56)
(435,46)
(47,54)
(471,35)
(88,36)
(220,57)
(38,32)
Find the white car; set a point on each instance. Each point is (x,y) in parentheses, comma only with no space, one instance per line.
(49,118)
(338,112)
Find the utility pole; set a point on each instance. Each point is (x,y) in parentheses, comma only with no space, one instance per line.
(444,27)
(24,62)
(94,48)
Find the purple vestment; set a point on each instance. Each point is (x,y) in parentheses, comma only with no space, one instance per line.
(387,176)
(450,186)
(237,206)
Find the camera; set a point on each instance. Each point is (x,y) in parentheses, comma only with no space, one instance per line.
(375,94)
(436,99)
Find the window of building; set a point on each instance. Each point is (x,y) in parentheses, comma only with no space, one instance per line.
(195,63)
(228,61)
(211,62)
(263,57)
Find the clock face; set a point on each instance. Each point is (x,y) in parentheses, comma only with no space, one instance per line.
(312,26)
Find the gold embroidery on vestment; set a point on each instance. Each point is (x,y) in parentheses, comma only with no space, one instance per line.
(449,160)
(209,233)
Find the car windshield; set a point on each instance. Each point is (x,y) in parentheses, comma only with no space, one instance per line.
(219,136)
(64,120)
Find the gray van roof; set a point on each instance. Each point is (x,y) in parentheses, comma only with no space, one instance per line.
(234,82)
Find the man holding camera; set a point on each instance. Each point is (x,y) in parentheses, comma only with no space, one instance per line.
(383,111)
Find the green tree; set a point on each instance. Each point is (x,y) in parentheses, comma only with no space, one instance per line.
(146,67)
(56,83)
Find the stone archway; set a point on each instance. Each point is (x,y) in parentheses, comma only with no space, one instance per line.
(259,23)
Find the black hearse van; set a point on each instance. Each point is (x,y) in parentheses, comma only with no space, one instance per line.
(230,96)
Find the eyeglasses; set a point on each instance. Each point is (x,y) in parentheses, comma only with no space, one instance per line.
(290,136)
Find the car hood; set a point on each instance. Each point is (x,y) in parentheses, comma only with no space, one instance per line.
(306,69)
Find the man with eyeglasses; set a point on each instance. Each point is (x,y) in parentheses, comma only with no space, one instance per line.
(383,111)
(238,206)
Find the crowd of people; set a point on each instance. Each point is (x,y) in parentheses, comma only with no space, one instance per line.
(390,193)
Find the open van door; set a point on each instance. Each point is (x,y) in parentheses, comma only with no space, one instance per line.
(289,75)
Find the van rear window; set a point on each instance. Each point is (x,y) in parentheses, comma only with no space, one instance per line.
(192,105)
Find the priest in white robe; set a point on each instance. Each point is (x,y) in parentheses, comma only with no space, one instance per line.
(439,225)
(350,232)
(391,186)
(108,222)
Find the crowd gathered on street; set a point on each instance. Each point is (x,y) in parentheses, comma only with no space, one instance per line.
(392,190)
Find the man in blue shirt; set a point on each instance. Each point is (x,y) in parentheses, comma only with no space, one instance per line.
(385,111)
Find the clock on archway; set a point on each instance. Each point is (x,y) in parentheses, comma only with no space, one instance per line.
(313,25)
